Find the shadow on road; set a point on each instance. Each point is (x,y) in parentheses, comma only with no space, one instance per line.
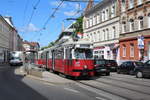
(12,87)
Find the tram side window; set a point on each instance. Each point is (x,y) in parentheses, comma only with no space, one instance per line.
(68,54)
(59,54)
(41,56)
(50,54)
(47,54)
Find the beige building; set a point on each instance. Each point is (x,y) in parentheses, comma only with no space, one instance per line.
(5,31)
(9,38)
(101,26)
(15,39)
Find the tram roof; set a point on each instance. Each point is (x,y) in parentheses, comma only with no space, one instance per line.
(83,41)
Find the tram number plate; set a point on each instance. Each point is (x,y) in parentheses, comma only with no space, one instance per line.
(85,73)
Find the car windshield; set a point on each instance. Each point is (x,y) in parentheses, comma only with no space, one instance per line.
(139,63)
(13,58)
(100,62)
(83,54)
(111,62)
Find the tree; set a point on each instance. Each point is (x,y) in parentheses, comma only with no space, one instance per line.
(49,45)
(78,27)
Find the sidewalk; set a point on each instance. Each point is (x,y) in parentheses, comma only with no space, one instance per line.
(39,74)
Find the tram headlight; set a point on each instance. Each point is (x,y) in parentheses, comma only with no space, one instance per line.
(85,66)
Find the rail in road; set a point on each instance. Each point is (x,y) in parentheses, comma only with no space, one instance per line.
(125,87)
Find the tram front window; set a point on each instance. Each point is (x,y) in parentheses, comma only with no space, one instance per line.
(83,54)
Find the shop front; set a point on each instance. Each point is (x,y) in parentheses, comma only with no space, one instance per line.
(106,52)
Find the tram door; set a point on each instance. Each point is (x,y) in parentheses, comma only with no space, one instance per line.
(53,60)
(47,57)
(68,60)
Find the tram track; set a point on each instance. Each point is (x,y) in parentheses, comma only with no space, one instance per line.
(107,91)
(125,81)
(114,85)
(133,78)
(137,92)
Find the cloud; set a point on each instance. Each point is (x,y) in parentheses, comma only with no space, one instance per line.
(30,28)
(56,3)
(70,13)
(77,6)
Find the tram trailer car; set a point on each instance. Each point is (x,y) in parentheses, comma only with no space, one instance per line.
(71,59)
(42,58)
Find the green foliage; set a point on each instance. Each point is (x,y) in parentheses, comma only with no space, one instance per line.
(49,45)
(78,25)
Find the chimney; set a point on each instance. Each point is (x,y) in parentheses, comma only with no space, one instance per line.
(89,5)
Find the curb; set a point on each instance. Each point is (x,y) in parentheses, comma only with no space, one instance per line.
(20,72)
(40,79)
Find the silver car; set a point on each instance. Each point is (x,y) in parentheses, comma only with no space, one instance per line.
(15,61)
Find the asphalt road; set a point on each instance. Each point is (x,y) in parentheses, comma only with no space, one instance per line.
(17,87)
(113,87)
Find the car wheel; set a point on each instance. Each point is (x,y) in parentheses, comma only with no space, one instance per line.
(108,74)
(118,71)
(139,74)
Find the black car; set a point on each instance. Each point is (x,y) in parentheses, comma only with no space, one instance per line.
(128,67)
(112,64)
(143,71)
(101,68)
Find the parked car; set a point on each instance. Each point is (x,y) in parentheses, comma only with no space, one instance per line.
(112,64)
(15,61)
(101,68)
(128,67)
(143,71)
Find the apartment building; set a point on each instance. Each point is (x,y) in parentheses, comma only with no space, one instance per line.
(135,29)
(9,39)
(15,39)
(101,26)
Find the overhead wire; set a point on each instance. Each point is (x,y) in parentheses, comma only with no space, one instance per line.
(79,1)
(50,17)
(24,12)
(33,11)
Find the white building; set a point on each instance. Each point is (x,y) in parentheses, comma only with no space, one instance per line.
(101,26)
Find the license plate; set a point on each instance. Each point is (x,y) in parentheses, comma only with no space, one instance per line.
(103,69)
(113,67)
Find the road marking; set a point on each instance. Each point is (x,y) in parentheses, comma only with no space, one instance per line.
(72,90)
(49,84)
(100,98)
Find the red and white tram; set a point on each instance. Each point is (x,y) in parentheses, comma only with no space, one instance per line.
(72,59)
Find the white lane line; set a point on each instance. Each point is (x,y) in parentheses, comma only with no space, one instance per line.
(100,98)
(72,90)
(49,84)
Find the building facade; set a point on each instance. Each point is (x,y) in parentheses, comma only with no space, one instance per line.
(135,29)
(101,26)
(5,31)
(8,38)
(31,49)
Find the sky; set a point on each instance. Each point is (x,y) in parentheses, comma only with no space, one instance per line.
(30,22)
